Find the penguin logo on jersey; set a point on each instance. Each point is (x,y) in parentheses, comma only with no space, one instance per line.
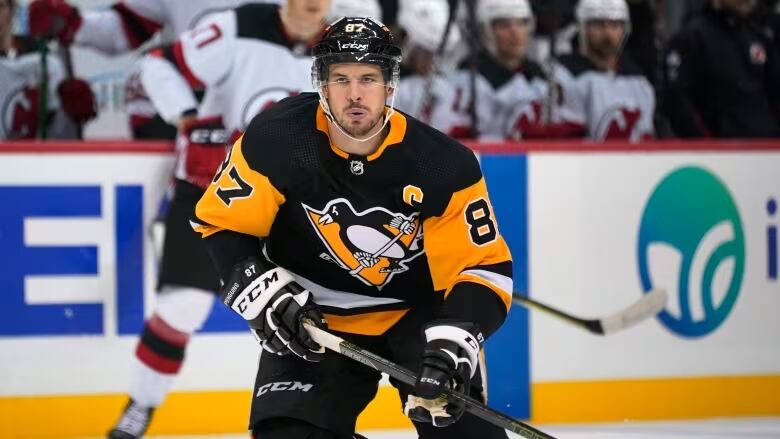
(373,245)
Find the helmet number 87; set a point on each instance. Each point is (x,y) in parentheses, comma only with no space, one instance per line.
(354,27)
(482,226)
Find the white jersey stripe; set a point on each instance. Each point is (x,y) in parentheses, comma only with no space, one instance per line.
(501,282)
(341,299)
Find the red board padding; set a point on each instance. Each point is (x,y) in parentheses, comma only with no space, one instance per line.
(126,146)
(617,146)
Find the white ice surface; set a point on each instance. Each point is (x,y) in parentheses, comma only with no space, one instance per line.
(745,428)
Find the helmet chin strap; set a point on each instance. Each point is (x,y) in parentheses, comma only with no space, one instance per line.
(326,108)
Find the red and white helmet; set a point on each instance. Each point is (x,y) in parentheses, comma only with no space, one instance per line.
(603,10)
(354,8)
(425,22)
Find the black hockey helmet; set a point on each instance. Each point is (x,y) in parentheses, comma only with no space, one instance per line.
(356,40)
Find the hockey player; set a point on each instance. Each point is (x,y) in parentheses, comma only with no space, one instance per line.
(252,35)
(426,90)
(511,90)
(123,27)
(604,94)
(67,100)
(335,209)
(227,55)
(723,73)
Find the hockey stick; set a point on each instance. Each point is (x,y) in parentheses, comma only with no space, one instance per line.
(379,252)
(552,90)
(67,60)
(437,61)
(43,90)
(474,48)
(647,306)
(343,347)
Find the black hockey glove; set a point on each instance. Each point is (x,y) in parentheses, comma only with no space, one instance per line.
(449,361)
(275,307)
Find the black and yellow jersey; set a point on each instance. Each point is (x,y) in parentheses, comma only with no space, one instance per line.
(370,236)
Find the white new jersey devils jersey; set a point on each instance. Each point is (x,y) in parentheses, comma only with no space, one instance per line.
(244,61)
(430,100)
(509,103)
(242,57)
(607,105)
(19,95)
(130,23)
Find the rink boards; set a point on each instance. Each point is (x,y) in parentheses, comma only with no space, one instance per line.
(590,228)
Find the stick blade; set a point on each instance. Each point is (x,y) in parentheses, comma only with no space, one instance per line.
(649,305)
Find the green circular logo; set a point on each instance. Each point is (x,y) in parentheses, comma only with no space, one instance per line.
(692,218)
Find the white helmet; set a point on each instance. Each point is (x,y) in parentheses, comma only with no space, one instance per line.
(489,10)
(354,8)
(603,10)
(425,22)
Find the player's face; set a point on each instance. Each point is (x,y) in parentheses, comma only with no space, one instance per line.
(6,16)
(356,95)
(315,9)
(604,37)
(511,37)
(420,60)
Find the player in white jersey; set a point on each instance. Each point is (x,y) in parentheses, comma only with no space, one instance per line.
(604,94)
(243,57)
(120,28)
(426,91)
(246,59)
(511,90)
(66,100)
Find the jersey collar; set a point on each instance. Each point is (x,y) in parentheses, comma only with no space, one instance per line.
(396,135)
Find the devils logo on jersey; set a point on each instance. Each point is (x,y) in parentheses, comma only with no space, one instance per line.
(619,123)
(20,114)
(373,245)
(263,100)
(525,116)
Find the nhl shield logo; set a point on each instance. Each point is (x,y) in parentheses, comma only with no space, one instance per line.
(373,245)
(356,166)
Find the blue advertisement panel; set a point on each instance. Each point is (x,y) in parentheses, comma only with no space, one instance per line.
(20,260)
(20,316)
(507,351)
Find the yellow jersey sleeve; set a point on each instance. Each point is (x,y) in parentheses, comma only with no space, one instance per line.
(239,198)
(463,244)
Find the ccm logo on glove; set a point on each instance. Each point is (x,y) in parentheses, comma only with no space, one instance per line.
(430,380)
(275,306)
(263,287)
